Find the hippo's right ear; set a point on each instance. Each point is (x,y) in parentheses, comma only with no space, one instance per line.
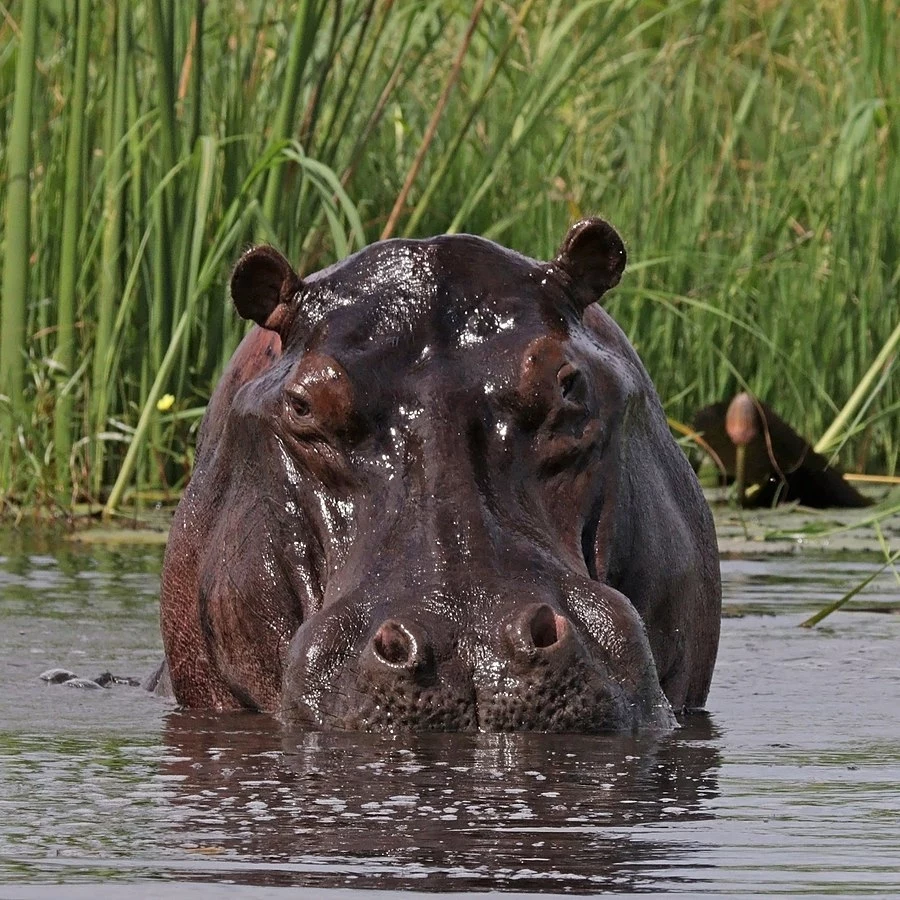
(263,287)
(592,257)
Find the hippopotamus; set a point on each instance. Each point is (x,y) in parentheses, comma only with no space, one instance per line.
(435,490)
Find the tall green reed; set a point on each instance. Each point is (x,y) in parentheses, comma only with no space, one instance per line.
(743,150)
(114,198)
(69,243)
(17,237)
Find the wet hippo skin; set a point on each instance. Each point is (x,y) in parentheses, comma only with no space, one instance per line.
(435,489)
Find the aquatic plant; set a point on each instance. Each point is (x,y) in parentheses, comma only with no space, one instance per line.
(743,149)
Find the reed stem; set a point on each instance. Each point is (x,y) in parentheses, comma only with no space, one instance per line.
(16,261)
(64,427)
(110,260)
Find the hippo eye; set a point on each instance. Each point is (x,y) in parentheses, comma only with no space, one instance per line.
(568,378)
(298,400)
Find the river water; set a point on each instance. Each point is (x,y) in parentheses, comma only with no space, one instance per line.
(790,784)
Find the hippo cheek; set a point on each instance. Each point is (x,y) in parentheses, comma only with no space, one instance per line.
(342,674)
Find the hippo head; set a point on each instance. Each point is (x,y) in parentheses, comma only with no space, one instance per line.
(435,490)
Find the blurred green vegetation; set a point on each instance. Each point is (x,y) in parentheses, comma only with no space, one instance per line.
(747,152)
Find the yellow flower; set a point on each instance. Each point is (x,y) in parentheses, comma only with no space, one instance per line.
(165,402)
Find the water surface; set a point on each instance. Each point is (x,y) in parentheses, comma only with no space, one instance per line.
(791,783)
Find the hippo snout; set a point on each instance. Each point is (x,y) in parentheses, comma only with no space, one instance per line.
(403,674)
(531,670)
(552,679)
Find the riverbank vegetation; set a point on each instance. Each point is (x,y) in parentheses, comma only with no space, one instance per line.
(746,151)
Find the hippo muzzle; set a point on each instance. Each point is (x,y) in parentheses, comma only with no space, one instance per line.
(435,490)
(526,667)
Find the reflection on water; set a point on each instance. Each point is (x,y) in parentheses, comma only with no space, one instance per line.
(790,784)
(460,811)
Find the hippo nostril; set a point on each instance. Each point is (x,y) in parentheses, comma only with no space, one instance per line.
(543,627)
(536,629)
(394,644)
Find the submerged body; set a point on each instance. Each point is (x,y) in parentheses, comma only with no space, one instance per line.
(436,490)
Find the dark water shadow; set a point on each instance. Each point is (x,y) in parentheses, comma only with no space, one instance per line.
(529,812)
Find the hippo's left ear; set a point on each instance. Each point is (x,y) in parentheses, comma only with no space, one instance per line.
(264,286)
(593,258)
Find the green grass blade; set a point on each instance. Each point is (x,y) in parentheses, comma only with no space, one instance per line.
(302,36)
(833,607)
(883,361)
